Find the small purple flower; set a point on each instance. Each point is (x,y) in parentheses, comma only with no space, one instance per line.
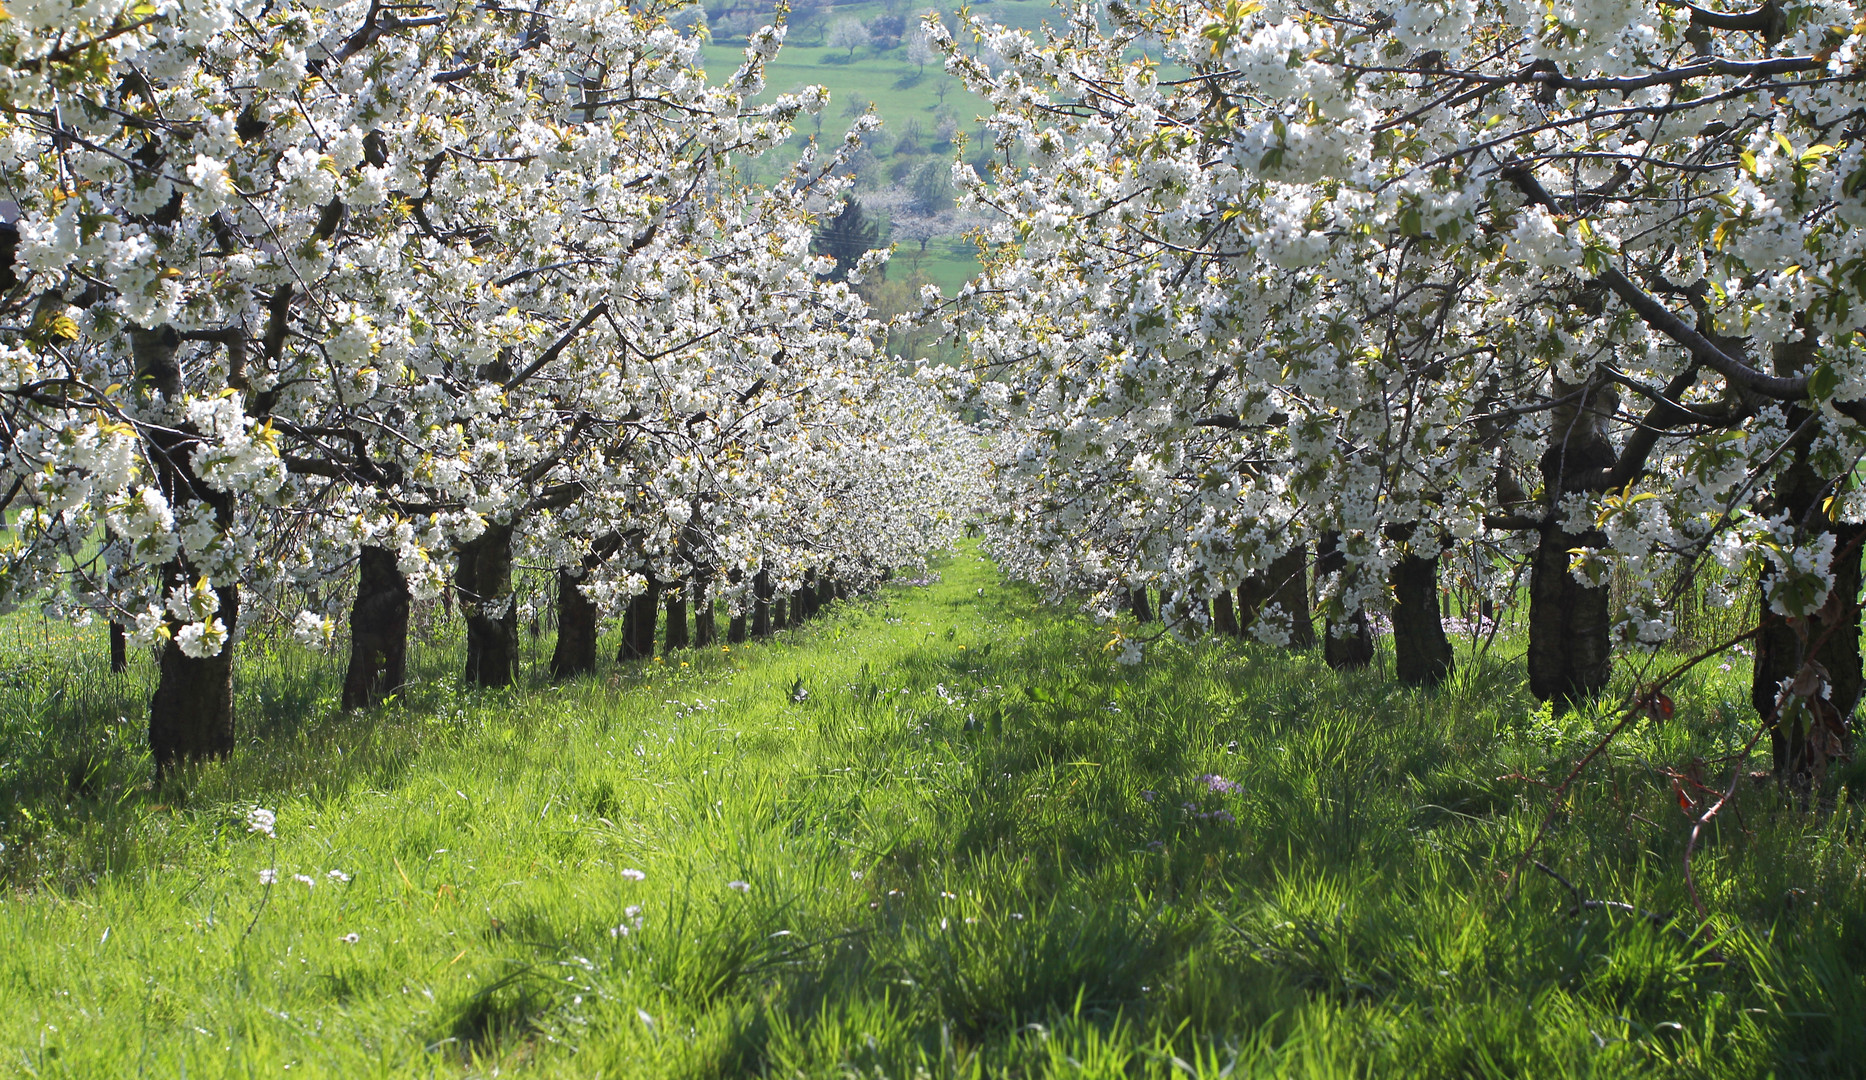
(1219,784)
(1147,796)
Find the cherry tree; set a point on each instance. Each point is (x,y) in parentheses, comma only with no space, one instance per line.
(1441,272)
(352,285)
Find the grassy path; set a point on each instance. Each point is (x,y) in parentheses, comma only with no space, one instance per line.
(937,832)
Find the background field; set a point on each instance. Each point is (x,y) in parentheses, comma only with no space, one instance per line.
(971,845)
(903,93)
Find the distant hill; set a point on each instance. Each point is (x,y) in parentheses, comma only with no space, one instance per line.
(867,53)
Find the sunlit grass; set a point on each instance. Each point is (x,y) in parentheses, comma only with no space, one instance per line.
(977,847)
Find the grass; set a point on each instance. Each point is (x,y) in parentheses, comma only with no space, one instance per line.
(976,847)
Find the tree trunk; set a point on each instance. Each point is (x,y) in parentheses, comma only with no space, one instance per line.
(638,627)
(1349,645)
(803,601)
(119,649)
(761,606)
(1288,585)
(1139,604)
(1570,648)
(191,711)
(1253,594)
(1570,651)
(1224,615)
(1186,613)
(737,630)
(575,653)
(485,583)
(1421,652)
(1805,739)
(1811,733)
(705,620)
(826,591)
(677,635)
(780,613)
(378,631)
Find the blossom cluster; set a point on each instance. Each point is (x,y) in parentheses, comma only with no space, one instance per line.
(334,275)
(1570,285)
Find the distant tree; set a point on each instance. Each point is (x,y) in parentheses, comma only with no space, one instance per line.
(911,140)
(885,31)
(920,230)
(946,130)
(847,34)
(920,51)
(846,238)
(932,186)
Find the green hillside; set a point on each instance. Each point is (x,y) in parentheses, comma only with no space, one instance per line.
(908,96)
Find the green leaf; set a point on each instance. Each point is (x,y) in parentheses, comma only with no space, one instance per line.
(1822,382)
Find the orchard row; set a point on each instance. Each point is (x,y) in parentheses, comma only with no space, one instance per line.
(312,310)
(1580,285)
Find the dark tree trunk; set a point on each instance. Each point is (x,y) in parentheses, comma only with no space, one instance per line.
(1349,644)
(191,712)
(1421,652)
(644,612)
(485,583)
(737,630)
(677,634)
(803,601)
(1570,647)
(827,591)
(119,649)
(762,594)
(705,620)
(1186,613)
(1570,651)
(575,653)
(1253,594)
(1140,605)
(1288,582)
(1780,652)
(378,631)
(1224,615)
(1806,734)
(780,613)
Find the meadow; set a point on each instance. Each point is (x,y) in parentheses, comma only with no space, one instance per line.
(936,832)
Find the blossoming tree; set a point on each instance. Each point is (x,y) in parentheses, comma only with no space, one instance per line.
(1386,275)
(352,284)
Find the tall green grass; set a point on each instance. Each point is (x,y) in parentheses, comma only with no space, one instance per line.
(975,847)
